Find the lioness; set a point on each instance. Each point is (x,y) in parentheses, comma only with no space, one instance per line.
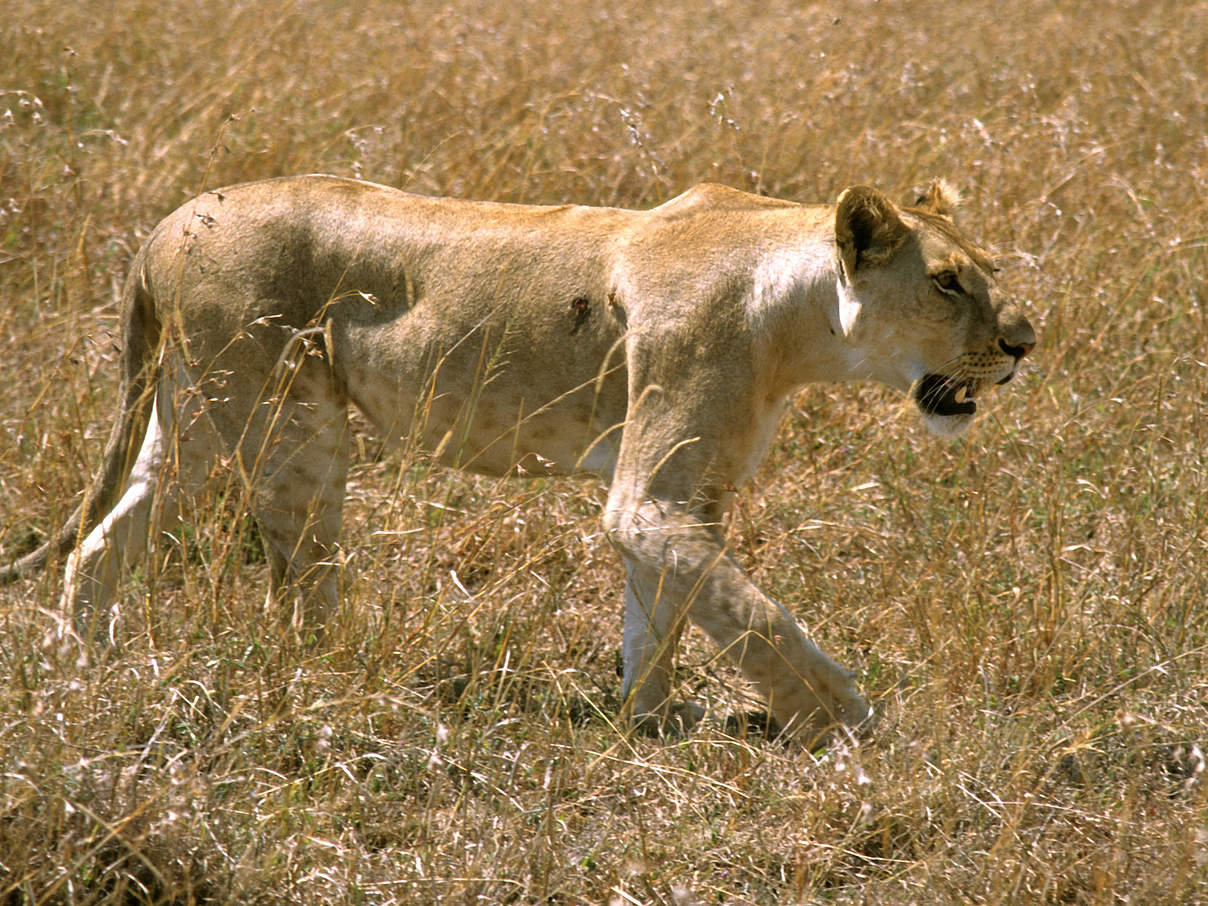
(655,349)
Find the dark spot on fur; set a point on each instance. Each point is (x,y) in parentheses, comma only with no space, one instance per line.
(617,310)
(580,307)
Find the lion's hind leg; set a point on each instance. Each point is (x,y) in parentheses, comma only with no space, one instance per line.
(295,463)
(168,462)
(119,540)
(299,510)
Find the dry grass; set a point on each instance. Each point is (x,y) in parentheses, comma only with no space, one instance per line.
(1027,605)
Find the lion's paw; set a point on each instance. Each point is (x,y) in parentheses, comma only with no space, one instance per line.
(677,719)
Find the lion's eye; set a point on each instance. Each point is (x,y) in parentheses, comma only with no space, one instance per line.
(947,282)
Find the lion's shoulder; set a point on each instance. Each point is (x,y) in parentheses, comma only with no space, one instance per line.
(713,197)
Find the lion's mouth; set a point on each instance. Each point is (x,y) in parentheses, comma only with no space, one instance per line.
(939,395)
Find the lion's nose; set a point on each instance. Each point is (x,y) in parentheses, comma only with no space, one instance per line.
(1018,351)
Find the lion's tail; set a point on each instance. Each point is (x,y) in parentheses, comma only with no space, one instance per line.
(140,341)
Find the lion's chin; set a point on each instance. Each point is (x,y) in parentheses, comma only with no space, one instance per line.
(938,394)
(947,425)
(946,403)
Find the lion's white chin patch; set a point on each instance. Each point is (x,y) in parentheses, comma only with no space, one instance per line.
(947,425)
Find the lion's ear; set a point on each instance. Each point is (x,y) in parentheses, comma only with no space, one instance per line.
(939,198)
(868,229)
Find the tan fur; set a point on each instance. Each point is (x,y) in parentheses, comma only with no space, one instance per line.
(653,348)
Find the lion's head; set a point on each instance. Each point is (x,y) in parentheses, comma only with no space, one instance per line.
(919,303)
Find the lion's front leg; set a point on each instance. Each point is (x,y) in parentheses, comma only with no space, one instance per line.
(687,573)
(690,431)
(653,624)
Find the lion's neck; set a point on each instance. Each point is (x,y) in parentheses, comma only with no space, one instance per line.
(795,307)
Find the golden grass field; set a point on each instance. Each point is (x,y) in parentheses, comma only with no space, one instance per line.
(1026,605)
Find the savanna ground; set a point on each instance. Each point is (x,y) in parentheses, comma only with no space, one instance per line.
(1026,605)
